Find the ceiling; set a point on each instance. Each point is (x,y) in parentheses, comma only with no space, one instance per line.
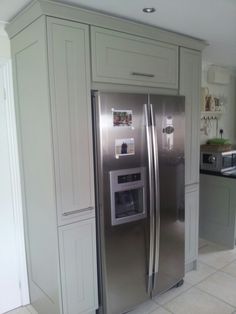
(211,20)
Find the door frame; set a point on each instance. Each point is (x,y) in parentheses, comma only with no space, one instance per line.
(6,68)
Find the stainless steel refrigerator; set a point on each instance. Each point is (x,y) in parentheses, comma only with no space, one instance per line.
(139,162)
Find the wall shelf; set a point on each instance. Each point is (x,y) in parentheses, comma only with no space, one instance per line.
(215,115)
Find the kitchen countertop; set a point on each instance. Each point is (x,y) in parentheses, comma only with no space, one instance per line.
(226,174)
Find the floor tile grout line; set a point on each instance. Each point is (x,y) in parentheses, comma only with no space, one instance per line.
(216,297)
(164,309)
(191,286)
(217,270)
(206,265)
(195,286)
(175,296)
(168,310)
(234,260)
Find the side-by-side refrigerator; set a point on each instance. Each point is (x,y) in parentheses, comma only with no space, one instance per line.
(139,162)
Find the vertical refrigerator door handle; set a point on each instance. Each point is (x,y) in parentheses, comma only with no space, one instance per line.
(151,201)
(157,194)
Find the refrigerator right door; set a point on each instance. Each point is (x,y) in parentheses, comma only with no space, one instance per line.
(168,130)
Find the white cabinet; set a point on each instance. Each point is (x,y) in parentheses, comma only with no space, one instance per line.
(78,267)
(126,59)
(191,224)
(71,119)
(190,82)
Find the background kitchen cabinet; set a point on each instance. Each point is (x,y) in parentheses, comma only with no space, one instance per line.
(190,82)
(56,161)
(126,59)
(218,209)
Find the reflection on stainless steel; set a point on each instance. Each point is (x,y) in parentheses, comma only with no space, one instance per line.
(230,172)
(171,186)
(140,196)
(151,198)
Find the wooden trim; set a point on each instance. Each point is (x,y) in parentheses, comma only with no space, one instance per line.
(74,13)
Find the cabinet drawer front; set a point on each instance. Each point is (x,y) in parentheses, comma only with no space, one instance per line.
(125,59)
(78,267)
(71,119)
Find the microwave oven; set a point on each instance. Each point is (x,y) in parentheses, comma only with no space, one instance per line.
(218,161)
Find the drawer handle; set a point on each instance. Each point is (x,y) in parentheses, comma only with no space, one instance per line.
(142,74)
(77,211)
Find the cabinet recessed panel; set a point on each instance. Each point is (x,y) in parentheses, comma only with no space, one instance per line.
(190,78)
(218,209)
(126,59)
(71,117)
(78,267)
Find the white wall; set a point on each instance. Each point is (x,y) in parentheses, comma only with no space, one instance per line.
(227,121)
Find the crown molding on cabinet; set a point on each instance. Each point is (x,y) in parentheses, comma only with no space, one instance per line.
(68,12)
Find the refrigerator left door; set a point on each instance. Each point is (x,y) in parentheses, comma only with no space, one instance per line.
(122,199)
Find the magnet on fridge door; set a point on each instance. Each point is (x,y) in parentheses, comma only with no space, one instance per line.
(122,118)
(124,147)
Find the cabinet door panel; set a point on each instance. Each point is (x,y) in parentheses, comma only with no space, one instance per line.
(78,267)
(218,209)
(127,59)
(191,223)
(190,80)
(71,117)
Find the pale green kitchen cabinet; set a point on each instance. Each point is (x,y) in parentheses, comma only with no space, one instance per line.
(69,73)
(59,52)
(52,94)
(190,83)
(126,59)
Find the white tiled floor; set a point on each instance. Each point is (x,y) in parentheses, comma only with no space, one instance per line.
(209,290)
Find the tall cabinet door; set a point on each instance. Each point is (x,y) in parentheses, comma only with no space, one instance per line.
(78,267)
(190,82)
(71,119)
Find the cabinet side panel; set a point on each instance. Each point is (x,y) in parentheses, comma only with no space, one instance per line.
(34,133)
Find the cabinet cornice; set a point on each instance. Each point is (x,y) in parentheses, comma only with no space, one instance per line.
(73,13)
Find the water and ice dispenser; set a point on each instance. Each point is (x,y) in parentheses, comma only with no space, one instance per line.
(128,195)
